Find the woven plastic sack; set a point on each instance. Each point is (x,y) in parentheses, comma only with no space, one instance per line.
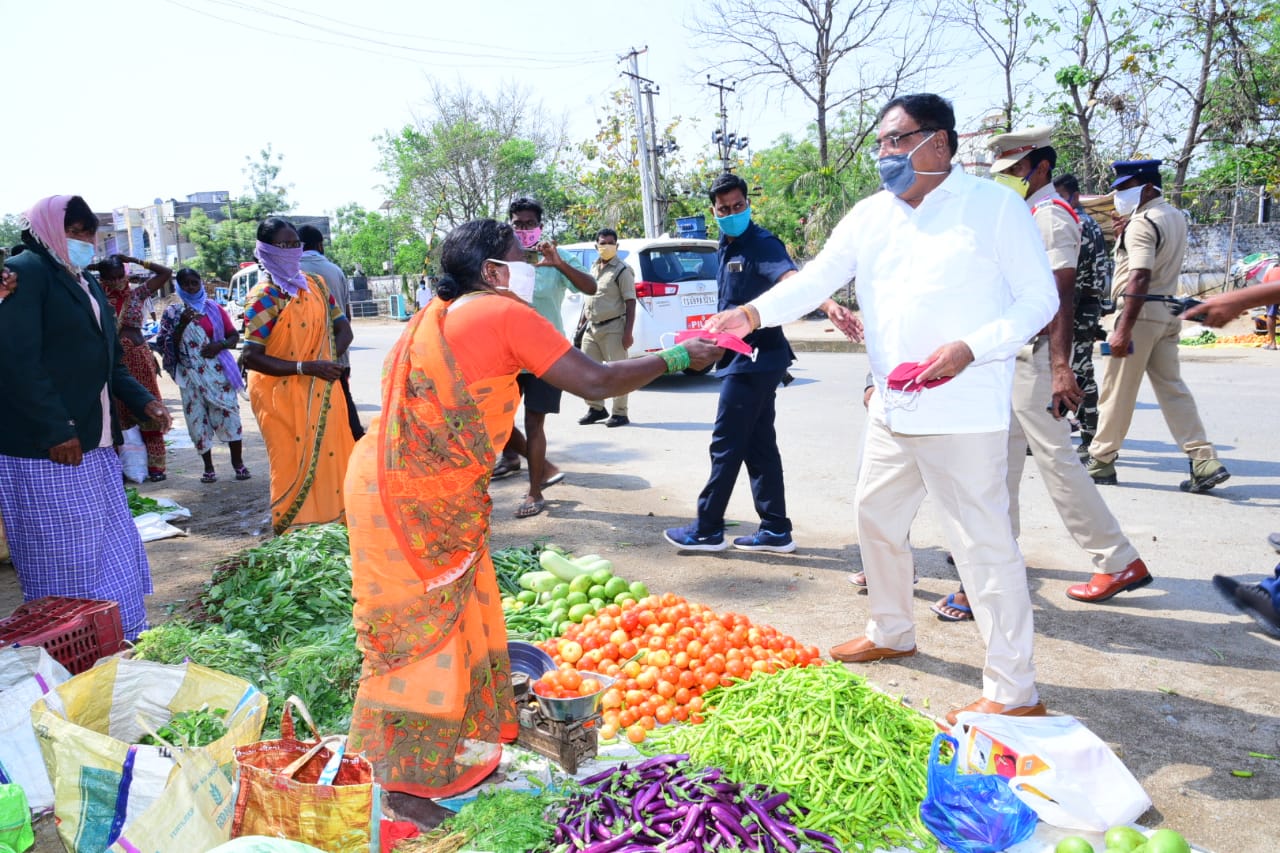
(314,792)
(15,820)
(193,814)
(26,674)
(975,813)
(89,727)
(133,455)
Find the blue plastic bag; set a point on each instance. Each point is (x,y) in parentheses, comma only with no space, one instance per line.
(972,813)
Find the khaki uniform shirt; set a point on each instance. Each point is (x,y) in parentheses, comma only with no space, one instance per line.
(615,285)
(1155,239)
(1059,229)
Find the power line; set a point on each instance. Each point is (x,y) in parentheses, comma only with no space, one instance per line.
(504,54)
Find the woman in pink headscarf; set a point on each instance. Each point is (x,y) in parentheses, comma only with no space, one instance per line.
(69,527)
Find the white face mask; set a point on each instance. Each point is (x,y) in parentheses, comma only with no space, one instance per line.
(521,278)
(1127,200)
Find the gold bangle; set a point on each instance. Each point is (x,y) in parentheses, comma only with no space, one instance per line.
(752,319)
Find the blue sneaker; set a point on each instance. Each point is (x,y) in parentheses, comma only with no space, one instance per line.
(687,539)
(764,540)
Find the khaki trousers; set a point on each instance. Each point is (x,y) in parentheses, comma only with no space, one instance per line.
(604,344)
(965,474)
(1155,354)
(1072,490)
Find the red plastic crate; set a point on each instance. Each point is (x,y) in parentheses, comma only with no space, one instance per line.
(75,631)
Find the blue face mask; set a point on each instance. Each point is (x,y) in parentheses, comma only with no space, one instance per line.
(896,173)
(734,224)
(79,253)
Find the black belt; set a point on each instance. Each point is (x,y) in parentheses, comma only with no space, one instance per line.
(610,320)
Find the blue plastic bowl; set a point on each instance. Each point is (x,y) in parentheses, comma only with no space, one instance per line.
(528,659)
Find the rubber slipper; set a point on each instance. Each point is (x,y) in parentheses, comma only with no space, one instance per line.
(157,477)
(529,509)
(208,477)
(859,579)
(504,469)
(558,477)
(242,473)
(941,610)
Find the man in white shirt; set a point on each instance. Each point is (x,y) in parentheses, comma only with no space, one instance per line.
(950,274)
(423,296)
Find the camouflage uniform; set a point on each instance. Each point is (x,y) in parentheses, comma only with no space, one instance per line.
(1093,280)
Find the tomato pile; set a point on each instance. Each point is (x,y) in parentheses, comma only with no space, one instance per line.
(665,652)
(566,683)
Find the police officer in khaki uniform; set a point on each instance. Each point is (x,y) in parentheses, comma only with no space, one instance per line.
(1044,385)
(1145,338)
(610,317)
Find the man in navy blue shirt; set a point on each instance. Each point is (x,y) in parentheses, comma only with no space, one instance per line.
(751,260)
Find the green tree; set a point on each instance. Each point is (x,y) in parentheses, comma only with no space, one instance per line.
(10,230)
(470,157)
(221,246)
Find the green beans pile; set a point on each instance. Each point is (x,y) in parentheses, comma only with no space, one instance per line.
(856,759)
(510,563)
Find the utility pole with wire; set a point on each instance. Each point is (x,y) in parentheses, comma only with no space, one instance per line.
(725,141)
(647,183)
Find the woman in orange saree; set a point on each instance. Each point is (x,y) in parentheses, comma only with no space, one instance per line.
(435,701)
(294,333)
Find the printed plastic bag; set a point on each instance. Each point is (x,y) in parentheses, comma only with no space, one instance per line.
(15,820)
(88,730)
(133,456)
(26,674)
(316,793)
(193,813)
(975,813)
(263,844)
(1056,766)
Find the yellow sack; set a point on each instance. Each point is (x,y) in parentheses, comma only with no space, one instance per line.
(193,814)
(88,729)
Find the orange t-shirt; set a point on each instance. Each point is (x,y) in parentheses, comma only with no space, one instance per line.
(492,335)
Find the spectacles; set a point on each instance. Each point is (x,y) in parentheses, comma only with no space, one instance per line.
(291,244)
(895,139)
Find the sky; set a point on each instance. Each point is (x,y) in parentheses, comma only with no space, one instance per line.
(127,102)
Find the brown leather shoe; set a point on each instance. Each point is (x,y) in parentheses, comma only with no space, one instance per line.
(863,650)
(987,706)
(1101,587)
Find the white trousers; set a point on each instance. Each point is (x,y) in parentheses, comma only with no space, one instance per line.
(1074,494)
(965,474)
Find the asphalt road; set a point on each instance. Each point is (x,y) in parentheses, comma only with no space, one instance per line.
(1179,684)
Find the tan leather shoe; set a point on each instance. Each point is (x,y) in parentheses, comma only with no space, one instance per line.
(987,706)
(1101,587)
(863,650)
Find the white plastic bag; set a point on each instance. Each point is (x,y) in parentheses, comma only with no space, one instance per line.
(26,674)
(133,455)
(1056,766)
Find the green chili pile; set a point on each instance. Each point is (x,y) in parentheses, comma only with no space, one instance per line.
(853,759)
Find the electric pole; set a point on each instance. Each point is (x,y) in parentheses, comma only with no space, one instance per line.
(647,182)
(725,141)
(659,203)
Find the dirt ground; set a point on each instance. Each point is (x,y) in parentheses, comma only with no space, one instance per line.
(1180,714)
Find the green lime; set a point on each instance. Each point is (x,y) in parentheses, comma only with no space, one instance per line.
(601,576)
(596,604)
(1073,844)
(623,596)
(527,596)
(1167,841)
(575,598)
(615,587)
(596,591)
(560,590)
(581,583)
(1123,838)
(578,612)
(564,626)
(639,590)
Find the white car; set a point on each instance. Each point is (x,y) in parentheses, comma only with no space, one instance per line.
(675,286)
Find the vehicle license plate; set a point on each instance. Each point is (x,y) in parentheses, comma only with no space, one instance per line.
(698,299)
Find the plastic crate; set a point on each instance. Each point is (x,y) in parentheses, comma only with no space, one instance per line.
(76,632)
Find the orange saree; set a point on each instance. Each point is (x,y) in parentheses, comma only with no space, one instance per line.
(435,701)
(307,448)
